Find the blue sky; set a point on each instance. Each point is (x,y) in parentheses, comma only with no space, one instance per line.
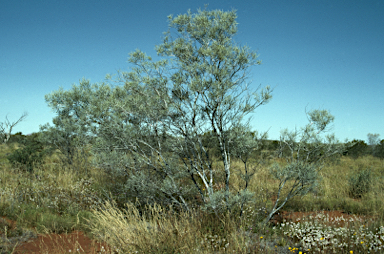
(315,54)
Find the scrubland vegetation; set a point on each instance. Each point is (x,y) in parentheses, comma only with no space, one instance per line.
(55,198)
(162,159)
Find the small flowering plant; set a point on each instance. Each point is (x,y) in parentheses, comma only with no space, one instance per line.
(316,236)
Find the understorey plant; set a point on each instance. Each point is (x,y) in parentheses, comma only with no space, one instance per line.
(303,153)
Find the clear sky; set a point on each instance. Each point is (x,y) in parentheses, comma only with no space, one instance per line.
(316,54)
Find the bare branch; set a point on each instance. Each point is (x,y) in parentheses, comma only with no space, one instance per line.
(7,126)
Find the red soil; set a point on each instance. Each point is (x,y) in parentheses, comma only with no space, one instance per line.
(75,242)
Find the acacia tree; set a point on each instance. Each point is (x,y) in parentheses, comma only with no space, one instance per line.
(7,126)
(147,125)
(201,92)
(158,115)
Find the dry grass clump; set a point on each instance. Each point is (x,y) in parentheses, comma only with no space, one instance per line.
(60,192)
(154,232)
(157,230)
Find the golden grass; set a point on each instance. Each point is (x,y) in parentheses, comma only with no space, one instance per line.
(160,231)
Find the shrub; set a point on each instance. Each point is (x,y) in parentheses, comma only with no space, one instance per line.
(17,138)
(357,148)
(379,150)
(360,182)
(27,157)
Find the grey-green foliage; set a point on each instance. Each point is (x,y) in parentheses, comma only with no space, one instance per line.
(373,139)
(360,182)
(75,123)
(305,152)
(374,142)
(162,108)
(217,202)
(246,143)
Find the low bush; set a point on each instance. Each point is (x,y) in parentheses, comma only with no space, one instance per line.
(360,182)
(30,155)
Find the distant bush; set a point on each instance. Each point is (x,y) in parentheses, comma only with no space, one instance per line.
(360,182)
(17,138)
(272,145)
(379,150)
(357,148)
(32,153)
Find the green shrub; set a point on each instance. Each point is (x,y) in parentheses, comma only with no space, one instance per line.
(17,138)
(55,223)
(360,182)
(379,150)
(28,156)
(357,148)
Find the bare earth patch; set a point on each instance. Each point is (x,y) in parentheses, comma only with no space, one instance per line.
(16,241)
(75,242)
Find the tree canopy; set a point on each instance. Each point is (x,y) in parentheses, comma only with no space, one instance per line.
(149,126)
